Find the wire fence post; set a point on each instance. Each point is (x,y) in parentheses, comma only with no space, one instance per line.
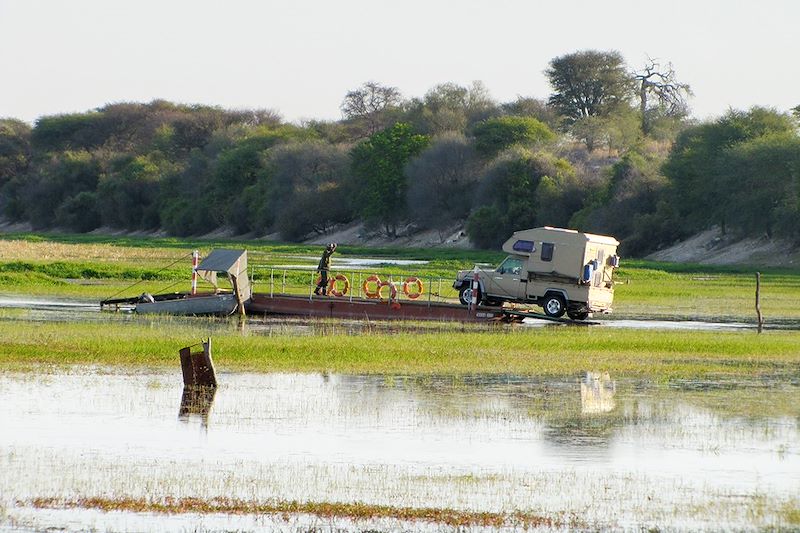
(283,284)
(430,286)
(758,302)
(271,282)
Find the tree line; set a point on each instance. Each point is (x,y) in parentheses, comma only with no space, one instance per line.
(612,150)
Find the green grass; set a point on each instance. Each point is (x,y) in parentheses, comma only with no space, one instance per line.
(654,355)
(649,289)
(791,512)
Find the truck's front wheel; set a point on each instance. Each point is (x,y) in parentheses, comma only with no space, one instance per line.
(465,294)
(554,305)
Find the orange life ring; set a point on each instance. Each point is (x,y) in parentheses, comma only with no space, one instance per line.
(410,281)
(392,288)
(365,287)
(332,285)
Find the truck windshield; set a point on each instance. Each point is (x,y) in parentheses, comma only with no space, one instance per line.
(511,265)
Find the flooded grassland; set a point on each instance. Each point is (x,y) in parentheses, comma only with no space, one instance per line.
(96,448)
(356,425)
(332,425)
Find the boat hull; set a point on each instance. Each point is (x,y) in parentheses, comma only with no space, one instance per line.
(218,304)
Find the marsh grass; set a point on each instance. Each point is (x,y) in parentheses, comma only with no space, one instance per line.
(656,355)
(791,512)
(327,510)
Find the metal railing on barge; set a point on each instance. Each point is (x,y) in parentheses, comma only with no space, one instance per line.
(269,281)
(374,296)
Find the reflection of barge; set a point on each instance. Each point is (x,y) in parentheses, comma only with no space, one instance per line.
(233,265)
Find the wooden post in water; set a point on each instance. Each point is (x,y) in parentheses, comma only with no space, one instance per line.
(198,367)
(758,302)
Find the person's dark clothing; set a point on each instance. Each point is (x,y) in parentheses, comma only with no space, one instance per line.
(325,261)
(323,268)
(322,286)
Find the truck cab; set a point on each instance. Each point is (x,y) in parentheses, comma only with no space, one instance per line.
(564,271)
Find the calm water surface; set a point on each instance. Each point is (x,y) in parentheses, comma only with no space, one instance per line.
(41,309)
(613,454)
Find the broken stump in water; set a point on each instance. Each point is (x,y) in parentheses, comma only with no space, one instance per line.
(198,367)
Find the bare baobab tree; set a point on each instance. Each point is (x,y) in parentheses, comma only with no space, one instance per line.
(369,104)
(658,81)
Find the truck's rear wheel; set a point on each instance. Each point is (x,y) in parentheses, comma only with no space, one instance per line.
(578,315)
(554,305)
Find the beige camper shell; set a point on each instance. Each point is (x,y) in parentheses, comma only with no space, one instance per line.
(578,266)
(563,270)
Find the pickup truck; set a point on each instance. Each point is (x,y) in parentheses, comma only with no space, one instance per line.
(561,270)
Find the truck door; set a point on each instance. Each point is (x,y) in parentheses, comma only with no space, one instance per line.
(506,282)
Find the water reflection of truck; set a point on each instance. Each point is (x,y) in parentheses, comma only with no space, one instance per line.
(562,270)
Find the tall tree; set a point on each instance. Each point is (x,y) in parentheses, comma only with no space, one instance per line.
(699,170)
(526,106)
(378,168)
(451,107)
(511,195)
(15,149)
(307,191)
(630,189)
(589,83)
(441,181)
(659,89)
(496,134)
(54,180)
(369,104)
(763,181)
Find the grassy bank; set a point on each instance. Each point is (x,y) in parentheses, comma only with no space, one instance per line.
(656,355)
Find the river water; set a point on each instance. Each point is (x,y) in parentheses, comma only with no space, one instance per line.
(40,309)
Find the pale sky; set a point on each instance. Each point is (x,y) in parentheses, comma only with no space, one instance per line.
(300,57)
